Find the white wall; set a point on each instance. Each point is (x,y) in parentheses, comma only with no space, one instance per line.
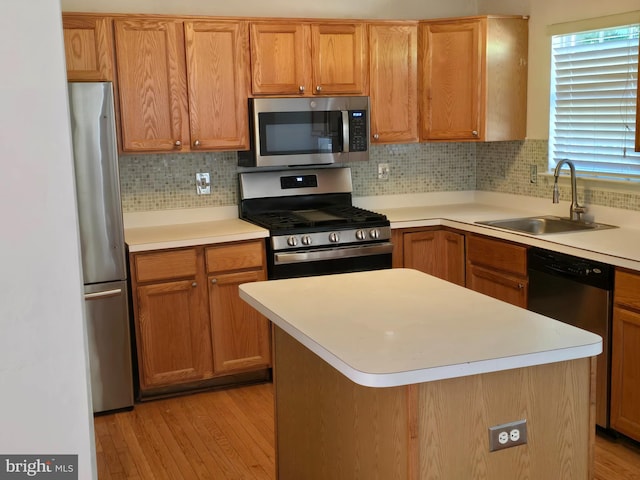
(389,9)
(44,404)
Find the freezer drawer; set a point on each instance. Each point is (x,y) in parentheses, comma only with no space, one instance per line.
(107,316)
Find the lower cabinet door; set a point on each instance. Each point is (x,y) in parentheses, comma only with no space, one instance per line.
(241,337)
(172,334)
(625,373)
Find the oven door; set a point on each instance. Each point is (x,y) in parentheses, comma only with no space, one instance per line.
(326,261)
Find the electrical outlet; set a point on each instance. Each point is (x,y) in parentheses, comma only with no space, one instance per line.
(533,174)
(383,171)
(507,435)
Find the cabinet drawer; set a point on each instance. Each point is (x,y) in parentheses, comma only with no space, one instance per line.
(166,265)
(496,254)
(235,257)
(627,289)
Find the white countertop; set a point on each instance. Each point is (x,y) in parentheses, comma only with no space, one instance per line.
(397,327)
(179,228)
(620,246)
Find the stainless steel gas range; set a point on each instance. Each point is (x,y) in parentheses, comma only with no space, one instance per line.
(314,227)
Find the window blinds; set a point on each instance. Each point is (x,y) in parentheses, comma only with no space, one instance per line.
(594,80)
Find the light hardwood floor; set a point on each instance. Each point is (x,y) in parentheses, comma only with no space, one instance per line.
(228,435)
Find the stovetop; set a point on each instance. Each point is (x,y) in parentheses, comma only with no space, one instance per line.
(331,217)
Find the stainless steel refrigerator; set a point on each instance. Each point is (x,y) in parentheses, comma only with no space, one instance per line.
(102,244)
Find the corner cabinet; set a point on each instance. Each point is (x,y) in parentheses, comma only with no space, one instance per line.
(308,58)
(182,84)
(88,47)
(470,88)
(625,355)
(192,330)
(433,250)
(497,268)
(393,74)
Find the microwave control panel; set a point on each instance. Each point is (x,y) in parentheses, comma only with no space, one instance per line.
(358,134)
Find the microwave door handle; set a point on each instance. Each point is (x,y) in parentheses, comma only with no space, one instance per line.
(345,131)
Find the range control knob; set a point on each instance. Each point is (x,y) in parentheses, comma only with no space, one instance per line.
(360,235)
(374,233)
(334,237)
(292,241)
(306,240)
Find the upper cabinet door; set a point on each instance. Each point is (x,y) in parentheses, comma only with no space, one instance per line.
(152,85)
(452,84)
(88,46)
(308,59)
(339,53)
(217,66)
(394,84)
(279,58)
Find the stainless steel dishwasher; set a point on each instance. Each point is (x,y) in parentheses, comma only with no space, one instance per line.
(578,292)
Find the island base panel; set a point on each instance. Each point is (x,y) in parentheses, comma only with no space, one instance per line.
(329,427)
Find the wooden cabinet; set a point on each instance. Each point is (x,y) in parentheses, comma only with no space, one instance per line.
(474,78)
(625,355)
(436,251)
(171,321)
(88,47)
(241,337)
(191,327)
(393,74)
(217,84)
(498,269)
(183,85)
(308,58)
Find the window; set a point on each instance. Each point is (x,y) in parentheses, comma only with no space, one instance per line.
(594,80)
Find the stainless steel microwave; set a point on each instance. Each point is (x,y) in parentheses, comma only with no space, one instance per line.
(306,131)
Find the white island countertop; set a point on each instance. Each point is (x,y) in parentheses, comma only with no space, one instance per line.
(397,327)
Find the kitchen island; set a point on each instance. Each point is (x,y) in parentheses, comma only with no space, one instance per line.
(395,374)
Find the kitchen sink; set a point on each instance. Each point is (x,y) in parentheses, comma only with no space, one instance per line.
(543,225)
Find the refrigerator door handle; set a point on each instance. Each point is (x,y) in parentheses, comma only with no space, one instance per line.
(105,294)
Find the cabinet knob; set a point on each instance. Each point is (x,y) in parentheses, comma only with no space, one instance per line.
(301,88)
(196,143)
(194,284)
(474,133)
(318,88)
(178,144)
(376,136)
(214,281)
(520,286)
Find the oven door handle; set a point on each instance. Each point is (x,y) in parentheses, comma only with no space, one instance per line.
(333,253)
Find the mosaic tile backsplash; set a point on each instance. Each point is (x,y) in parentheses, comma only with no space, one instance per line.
(167,181)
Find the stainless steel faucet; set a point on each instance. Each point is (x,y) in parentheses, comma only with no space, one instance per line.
(575,210)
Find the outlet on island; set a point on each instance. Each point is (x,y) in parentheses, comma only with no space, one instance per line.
(507,435)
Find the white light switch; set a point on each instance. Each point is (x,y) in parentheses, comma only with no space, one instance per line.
(203,184)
